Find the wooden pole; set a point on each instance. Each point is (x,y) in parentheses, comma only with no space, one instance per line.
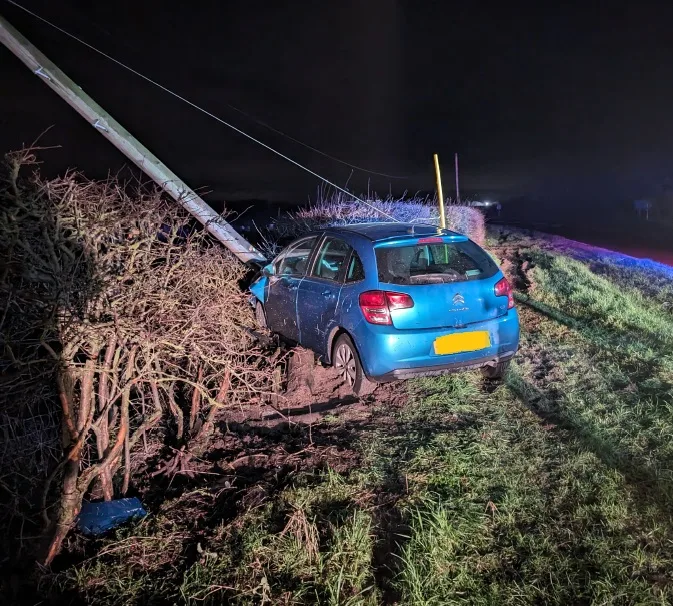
(440,194)
(455,157)
(135,151)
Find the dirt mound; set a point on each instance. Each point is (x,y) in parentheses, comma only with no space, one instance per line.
(515,264)
(308,380)
(312,392)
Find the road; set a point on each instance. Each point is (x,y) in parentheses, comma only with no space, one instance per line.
(643,240)
(640,252)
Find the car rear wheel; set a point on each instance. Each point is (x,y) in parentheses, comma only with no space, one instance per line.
(347,363)
(495,372)
(260,316)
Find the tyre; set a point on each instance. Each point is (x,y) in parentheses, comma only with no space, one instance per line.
(260,316)
(347,361)
(495,372)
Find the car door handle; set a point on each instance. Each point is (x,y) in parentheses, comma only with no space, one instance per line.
(292,286)
(326,293)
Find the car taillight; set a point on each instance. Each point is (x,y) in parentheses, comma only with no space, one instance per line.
(504,289)
(376,305)
(374,308)
(431,240)
(399,300)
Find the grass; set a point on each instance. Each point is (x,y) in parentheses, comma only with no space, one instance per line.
(554,487)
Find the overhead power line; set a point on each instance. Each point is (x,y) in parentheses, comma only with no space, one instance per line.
(307,146)
(201,109)
(254,119)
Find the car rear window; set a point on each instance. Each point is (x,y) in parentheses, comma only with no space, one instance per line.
(434,263)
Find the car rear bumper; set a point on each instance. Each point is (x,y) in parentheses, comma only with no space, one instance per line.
(443,369)
(387,353)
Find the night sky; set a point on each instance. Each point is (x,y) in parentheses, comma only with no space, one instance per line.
(570,105)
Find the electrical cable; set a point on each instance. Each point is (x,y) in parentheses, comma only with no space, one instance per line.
(201,109)
(261,123)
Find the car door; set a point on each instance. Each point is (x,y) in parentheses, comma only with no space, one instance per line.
(318,296)
(289,269)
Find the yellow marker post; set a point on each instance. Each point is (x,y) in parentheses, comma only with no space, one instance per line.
(440,195)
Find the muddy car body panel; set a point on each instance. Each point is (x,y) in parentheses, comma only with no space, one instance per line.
(415,300)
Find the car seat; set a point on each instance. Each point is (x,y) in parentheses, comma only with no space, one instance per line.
(399,264)
(300,267)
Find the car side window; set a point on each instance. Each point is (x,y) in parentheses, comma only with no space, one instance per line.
(330,259)
(294,261)
(356,270)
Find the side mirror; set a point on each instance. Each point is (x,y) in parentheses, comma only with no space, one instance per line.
(267,270)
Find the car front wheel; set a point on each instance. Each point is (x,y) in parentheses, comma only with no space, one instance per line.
(347,362)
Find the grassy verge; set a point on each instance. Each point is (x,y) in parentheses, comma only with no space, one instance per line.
(554,487)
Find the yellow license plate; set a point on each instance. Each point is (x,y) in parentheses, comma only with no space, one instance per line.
(462,341)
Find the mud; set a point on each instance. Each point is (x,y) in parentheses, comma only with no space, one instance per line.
(311,393)
(313,424)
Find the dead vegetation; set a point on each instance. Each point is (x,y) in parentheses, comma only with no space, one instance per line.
(341,209)
(119,319)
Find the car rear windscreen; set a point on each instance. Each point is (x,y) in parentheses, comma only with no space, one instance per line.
(434,263)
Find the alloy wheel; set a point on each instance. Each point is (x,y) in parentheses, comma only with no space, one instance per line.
(345,363)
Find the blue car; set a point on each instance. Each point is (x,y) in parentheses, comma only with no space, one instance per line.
(386,301)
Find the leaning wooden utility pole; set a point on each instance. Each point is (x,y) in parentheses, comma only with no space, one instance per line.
(135,151)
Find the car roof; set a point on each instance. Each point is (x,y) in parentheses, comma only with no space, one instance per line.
(387,230)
